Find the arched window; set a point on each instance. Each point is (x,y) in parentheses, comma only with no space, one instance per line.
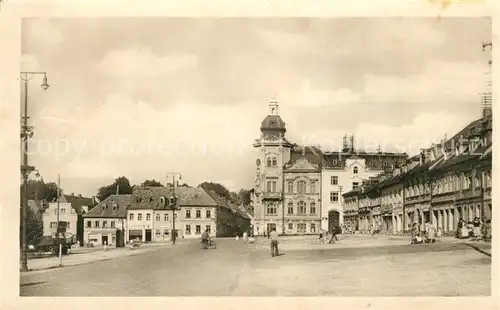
(290,187)
(269,161)
(313,208)
(162,201)
(290,207)
(275,163)
(301,208)
(355,170)
(301,187)
(271,209)
(313,187)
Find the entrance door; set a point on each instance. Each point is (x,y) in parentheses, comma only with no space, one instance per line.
(105,239)
(333,220)
(148,235)
(271,227)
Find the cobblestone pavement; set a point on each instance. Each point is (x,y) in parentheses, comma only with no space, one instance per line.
(389,268)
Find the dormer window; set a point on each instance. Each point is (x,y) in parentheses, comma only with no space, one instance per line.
(162,201)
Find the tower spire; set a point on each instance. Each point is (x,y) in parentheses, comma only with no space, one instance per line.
(273,107)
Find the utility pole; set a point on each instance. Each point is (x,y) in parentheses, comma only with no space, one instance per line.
(174,204)
(27,133)
(58,210)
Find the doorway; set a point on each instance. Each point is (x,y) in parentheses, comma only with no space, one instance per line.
(271,227)
(148,235)
(333,220)
(104,239)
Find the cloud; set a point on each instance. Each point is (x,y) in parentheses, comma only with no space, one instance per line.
(42,33)
(142,62)
(307,96)
(438,81)
(29,62)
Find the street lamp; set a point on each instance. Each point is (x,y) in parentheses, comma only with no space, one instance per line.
(174,203)
(27,133)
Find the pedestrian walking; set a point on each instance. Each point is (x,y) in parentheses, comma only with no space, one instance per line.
(273,235)
(334,236)
(245,237)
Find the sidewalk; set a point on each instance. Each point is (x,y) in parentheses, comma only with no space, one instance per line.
(97,254)
(362,241)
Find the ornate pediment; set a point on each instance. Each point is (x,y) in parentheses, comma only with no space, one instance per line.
(359,164)
(302,164)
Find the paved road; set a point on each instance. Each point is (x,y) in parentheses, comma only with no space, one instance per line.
(237,269)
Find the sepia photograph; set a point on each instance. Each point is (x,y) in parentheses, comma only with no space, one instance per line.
(256,157)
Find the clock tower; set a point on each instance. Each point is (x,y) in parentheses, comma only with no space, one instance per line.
(273,153)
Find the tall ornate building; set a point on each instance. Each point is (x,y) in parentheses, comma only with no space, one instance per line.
(302,198)
(298,189)
(274,152)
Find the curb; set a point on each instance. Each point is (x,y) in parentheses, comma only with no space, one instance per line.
(133,253)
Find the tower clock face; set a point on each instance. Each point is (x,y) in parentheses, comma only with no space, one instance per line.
(257,162)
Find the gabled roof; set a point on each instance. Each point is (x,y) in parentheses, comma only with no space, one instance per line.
(456,159)
(115,206)
(313,154)
(149,197)
(77,202)
(225,203)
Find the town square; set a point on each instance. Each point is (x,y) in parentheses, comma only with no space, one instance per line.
(275,159)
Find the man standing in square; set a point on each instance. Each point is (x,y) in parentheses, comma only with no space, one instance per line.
(274,242)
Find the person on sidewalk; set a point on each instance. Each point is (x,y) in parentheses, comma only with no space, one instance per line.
(245,237)
(334,236)
(476,230)
(487,235)
(273,235)
(321,237)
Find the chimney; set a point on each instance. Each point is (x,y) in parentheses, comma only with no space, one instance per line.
(422,157)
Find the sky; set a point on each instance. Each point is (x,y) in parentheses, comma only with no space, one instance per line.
(141,97)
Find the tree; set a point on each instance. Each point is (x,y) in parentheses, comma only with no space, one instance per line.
(34,227)
(121,183)
(39,190)
(152,183)
(244,197)
(219,189)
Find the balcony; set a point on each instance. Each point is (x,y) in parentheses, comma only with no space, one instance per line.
(302,216)
(272,196)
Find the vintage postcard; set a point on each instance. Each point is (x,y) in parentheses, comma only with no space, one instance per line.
(317,150)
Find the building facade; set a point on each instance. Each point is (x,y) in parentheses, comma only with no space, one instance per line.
(345,171)
(273,152)
(302,203)
(71,210)
(334,173)
(447,182)
(151,218)
(107,221)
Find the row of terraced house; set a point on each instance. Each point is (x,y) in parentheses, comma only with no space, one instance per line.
(146,215)
(449,181)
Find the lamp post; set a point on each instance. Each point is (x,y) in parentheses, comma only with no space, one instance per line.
(26,133)
(174,202)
